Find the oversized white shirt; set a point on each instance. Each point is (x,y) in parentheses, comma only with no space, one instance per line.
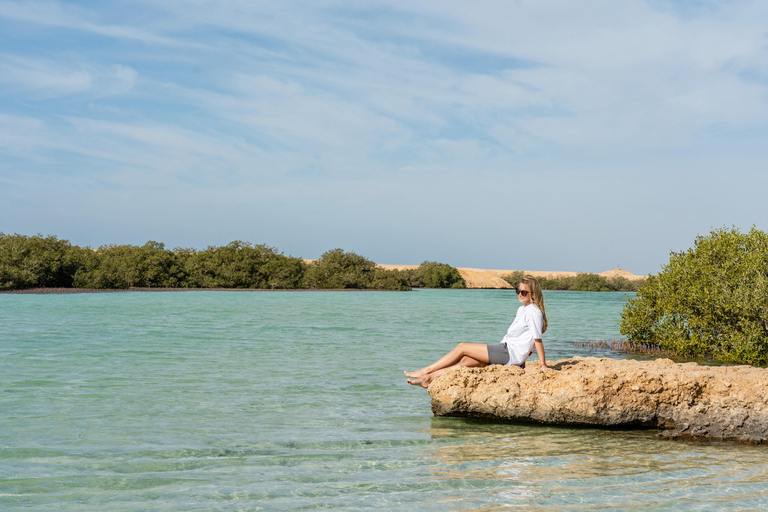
(524,329)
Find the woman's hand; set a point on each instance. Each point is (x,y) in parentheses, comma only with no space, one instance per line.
(544,367)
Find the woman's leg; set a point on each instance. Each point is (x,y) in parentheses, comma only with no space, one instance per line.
(425,379)
(477,351)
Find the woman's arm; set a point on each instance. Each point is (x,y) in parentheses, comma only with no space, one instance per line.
(540,351)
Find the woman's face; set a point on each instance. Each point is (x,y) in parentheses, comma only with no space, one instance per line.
(524,294)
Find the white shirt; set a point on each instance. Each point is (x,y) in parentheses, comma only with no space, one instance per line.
(524,329)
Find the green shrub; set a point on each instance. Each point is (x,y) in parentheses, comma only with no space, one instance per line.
(127,266)
(622,284)
(337,269)
(284,273)
(591,283)
(390,280)
(431,274)
(708,301)
(241,265)
(37,261)
(515,277)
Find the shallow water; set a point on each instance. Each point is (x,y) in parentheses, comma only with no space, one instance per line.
(208,400)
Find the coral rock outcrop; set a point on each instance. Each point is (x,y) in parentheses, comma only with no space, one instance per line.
(682,400)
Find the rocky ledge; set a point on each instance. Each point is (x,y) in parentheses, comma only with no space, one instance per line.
(682,400)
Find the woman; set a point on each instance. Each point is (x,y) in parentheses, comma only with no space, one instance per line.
(524,333)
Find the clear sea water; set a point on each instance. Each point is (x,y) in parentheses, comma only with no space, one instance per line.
(246,401)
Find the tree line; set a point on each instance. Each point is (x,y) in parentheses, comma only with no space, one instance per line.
(48,262)
(581,282)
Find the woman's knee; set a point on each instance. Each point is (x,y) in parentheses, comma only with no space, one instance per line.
(473,350)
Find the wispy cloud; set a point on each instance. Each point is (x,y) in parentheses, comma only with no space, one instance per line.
(43,78)
(381,99)
(66,15)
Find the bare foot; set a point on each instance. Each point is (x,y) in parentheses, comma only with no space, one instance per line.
(414,375)
(421,381)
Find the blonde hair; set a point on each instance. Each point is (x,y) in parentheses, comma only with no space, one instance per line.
(536,297)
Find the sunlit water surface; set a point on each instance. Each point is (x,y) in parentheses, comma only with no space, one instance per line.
(279,401)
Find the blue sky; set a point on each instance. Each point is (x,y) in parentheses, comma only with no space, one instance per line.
(546,135)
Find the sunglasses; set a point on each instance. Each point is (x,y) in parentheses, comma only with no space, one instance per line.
(524,293)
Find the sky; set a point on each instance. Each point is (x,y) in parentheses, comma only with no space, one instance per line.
(519,134)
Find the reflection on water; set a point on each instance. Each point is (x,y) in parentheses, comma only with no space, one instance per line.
(552,468)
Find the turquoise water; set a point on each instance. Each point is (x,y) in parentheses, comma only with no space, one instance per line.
(239,401)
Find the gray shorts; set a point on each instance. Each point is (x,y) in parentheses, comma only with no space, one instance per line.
(497,353)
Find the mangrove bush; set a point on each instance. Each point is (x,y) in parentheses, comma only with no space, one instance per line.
(431,274)
(709,301)
(337,269)
(35,262)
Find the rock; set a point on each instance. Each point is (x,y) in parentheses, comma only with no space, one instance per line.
(683,400)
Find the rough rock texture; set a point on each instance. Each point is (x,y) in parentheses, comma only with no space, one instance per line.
(684,400)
